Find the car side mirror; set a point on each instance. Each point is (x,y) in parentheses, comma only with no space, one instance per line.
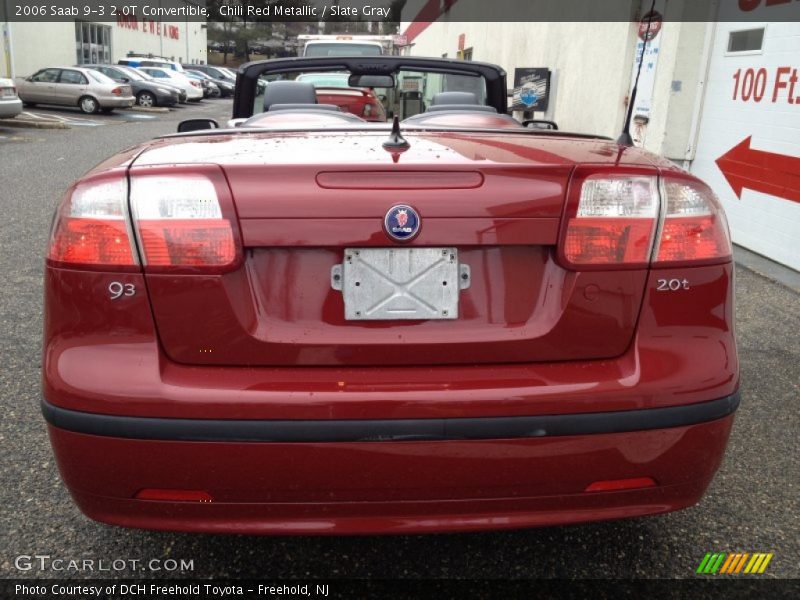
(197,125)
(125,80)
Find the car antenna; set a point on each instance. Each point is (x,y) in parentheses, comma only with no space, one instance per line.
(396,141)
(625,139)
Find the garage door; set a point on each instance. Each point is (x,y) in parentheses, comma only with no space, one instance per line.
(749,139)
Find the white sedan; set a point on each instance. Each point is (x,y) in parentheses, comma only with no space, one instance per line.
(10,104)
(193,87)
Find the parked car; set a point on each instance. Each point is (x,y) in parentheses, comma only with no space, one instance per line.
(333,88)
(148,93)
(310,323)
(10,104)
(219,73)
(226,87)
(192,87)
(137,61)
(182,97)
(224,74)
(210,89)
(89,90)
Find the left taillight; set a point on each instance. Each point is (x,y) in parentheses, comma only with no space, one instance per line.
(117,91)
(184,222)
(91,227)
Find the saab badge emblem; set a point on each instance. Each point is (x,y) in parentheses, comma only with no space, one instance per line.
(402,223)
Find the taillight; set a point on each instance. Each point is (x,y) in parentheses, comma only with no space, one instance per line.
(368,109)
(629,218)
(117,91)
(91,229)
(694,226)
(184,221)
(611,220)
(195,84)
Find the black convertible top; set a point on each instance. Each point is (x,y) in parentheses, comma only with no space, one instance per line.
(248,74)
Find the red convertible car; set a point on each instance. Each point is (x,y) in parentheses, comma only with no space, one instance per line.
(334,88)
(309,324)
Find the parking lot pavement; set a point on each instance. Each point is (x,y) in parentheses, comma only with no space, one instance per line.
(73,117)
(752,506)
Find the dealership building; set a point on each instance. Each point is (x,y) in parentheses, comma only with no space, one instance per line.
(28,46)
(719,93)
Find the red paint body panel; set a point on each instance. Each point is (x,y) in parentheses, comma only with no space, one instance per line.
(267,340)
(106,358)
(388,487)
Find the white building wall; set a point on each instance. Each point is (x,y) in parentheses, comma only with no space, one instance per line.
(764,213)
(592,66)
(37,45)
(590,63)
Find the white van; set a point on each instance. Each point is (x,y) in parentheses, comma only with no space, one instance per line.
(146,61)
(345,47)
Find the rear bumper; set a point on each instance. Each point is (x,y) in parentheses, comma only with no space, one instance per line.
(329,478)
(10,108)
(116,102)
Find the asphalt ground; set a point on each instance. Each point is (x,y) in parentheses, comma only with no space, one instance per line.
(752,505)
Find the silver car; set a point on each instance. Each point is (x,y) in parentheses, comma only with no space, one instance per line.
(10,104)
(89,90)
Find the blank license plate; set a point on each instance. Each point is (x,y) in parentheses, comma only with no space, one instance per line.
(400,283)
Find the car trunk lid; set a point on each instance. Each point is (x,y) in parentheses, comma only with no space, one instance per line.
(303,201)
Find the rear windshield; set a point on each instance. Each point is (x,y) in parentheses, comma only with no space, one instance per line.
(132,74)
(342,50)
(99,77)
(326,79)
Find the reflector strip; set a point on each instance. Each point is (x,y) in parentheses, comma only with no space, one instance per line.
(174,495)
(612,485)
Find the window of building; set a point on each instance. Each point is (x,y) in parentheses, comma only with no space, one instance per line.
(92,43)
(465,54)
(746,40)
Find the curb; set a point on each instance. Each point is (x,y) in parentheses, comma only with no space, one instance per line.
(28,124)
(145,109)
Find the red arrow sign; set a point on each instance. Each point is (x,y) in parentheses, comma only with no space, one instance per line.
(765,172)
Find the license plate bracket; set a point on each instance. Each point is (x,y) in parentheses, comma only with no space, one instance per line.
(388,284)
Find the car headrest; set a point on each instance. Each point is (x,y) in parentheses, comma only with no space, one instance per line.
(289,92)
(454,98)
(469,107)
(288,106)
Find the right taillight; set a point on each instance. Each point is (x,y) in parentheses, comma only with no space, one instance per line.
(611,220)
(630,218)
(694,226)
(184,221)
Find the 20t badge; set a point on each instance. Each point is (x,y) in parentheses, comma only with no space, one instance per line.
(402,223)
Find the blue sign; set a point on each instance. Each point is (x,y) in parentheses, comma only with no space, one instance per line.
(531,89)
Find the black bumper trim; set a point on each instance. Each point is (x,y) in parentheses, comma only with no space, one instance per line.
(387,430)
